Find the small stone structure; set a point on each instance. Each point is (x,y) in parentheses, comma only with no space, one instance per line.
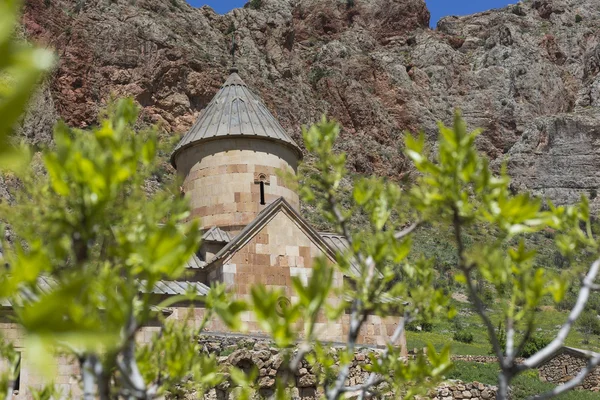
(566,365)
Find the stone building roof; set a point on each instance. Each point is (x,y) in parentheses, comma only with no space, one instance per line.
(216,234)
(235,111)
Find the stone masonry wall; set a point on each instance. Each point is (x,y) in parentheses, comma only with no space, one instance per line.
(565,367)
(247,353)
(276,254)
(65,368)
(222,179)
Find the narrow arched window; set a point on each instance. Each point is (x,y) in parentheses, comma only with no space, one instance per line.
(262,192)
(261,179)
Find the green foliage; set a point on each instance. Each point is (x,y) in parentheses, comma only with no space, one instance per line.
(86,233)
(255,4)
(316,74)
(373,263)
(231,28)
(463,336)
(21,67)
(578,18)
(419,327)
(518,10)
(533,345)
(495,235)
(11,359)
(588,323)
(457,188)
(174,355)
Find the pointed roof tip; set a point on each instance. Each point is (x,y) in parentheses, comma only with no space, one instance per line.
(234,79)
(235,111)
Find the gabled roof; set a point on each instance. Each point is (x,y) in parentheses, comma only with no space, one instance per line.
(235,111)
(266,215)
(216,234)
(195,262)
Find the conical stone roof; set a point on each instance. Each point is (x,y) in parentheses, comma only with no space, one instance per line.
(235,111)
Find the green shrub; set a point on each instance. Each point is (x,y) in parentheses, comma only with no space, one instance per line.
(533,345)
(518,10)
(578,18)
(588,323)
(255,4)
(231,28)
(419,327)
(568,302)
(316,74)
(594,303)
(463,337)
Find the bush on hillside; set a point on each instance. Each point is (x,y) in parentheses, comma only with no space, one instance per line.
(463,337)
(419,327)
(533,345)
(255,4)
(588,323)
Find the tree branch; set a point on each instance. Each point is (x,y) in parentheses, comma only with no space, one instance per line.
(127,364)
(466,270)
(373,378)
(505,362)
(87,373)
(406,231)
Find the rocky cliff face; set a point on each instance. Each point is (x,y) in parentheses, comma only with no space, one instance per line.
(527,74)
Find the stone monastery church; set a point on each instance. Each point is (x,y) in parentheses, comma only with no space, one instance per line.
(232,160)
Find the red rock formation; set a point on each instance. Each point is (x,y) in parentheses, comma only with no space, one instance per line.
(373,65)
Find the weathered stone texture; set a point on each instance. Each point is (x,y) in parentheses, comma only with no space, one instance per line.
(376,66)
(222,179)
(247,352)
(282,250)
(559,158)
(565,367)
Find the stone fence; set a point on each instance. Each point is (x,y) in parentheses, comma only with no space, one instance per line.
(248,353)
(458,390)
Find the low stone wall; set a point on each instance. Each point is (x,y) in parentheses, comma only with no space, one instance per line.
(247,353)
(566,366)
(481,359)
(460,390)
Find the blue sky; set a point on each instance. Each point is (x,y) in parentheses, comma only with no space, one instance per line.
(438,8)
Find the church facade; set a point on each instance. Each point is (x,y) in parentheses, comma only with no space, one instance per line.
(232,161)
